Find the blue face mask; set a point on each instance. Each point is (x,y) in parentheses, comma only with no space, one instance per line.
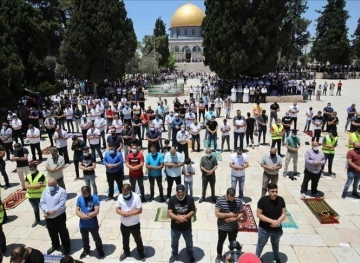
(127,196)
(154,153)
(51,188)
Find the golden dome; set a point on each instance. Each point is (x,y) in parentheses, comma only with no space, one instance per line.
(187,15)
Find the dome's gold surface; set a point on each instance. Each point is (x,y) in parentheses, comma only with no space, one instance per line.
(187,15)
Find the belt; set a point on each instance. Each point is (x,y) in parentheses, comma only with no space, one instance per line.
(270,174)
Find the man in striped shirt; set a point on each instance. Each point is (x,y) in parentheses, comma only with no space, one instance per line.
(228,210)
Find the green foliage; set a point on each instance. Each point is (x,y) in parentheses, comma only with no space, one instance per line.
(99,40)
(160,27)
(331,43)
(244,36)
(148,65)
(171,61)
(356,41)
(132,67)
(300,35)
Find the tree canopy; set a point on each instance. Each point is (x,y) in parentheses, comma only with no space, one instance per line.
(356,41)
(245,36)
(331,43)
(99,40)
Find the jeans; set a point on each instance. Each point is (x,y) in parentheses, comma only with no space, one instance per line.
(152,185)
(328,157)
(197,139)
(61,123)
(135,232)
(35,205)
(144,129)
(228,113)
(140,181)
(218,112)
(241,180)
(90,180)
(223,139)
(263,237)
(96,237)
(314,181)
(64,153)
(267,178)
(188,188)
(170,181)
(263,132)
(348,120)
(285,135)
(307,125)
(249,135)
(352,177)
(3,172)
(288,157)
(239,135)
(208,179)
(212,137)
(69,123)
(222,236)
(33,147)
(118,178)
(175,236)
(272,117)
(96,147)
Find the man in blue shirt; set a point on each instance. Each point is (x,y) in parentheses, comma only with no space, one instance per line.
(154,163)
(114,163)
(87,208)
(175,126)
(351,111)
(173,162)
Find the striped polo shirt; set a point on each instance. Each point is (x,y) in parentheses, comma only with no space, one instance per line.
(226,206)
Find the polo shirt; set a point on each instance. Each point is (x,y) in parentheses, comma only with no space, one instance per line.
(87,205)
(154,160)
(225,206)
(272,162)
(238,160)
(293,143)
(355,158)
(208,163)
(135,160)
(351,113)
(23,151)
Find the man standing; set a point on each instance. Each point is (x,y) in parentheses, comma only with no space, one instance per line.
(154,164)
(238,164)
(317,122)
(212,127)
(6,139)
(328,148)
(55,166)
(181,209)
(175,126)
(16,125)
(239,130)
(225,134)
(50,125)
(294,110)
(135,163)
(114,163)
(169,119)
(262,121)
(183,137)
(77,146)
(87,209)
(208,165)
(277,131)
(271,212)
(292,144)
(53,205)
(339,86)
(314,159)
(228,210)
(129,207)
(85,125)
(93,135)
(60,138)
(173,162)
(353,170)
(219,104)
(20,155)
(88,164)
(228,106)
(35,183)
(153,136)
(2,168)
(351,112)
(327,113)
(100,124)
(33,134)
(287,122)
(126,136)
(68,113)
(115,139)
(272,164)
(195,135)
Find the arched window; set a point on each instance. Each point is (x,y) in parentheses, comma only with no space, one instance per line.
(176,49)
(196,49)
(185,48)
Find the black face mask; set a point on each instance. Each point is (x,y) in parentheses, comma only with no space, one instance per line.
(127,197)
(272,155)
(357,149)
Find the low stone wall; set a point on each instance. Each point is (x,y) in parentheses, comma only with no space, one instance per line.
(294,98)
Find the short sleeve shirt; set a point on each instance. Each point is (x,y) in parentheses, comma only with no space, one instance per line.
(128,205)
(87,205)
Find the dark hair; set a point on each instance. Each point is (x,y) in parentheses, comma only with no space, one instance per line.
(248,114)
(167,141)
(126,187)
(187,161)
(111,144)
(17,145)
(272,186)
(32,165)
(86,148)
(152,146)
(231,192)
(18,252)
(239,149)
(86,188)
(67,259)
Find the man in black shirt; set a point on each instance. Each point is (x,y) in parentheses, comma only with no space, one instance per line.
(165,149)
(88,165)
(77,146)
(327,113)
(27,255)
(126,136)
(286,122)
(250,125)
(228,210)
(136,125)
(262,123)
(212,127)
(135,141)
(332,122)
(317,122)
(115,139)
(2,167)
(181,209)
(274,109)
(271,212)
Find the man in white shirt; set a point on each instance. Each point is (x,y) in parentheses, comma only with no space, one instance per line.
(16,125)
(294,110)
(93,136)
(129,207)
(100,124)
(33,134)
(136,109)
(189,119)
(195,129)
(225,134)
(309,116)
(191,92)
(60,137)
(127,114)
(173,162)
(239,129)
(182,137)
(85,125)
(218,104)
(197,93)
(169,120)
(228,106)
(100,107)
(238,163)
(68,113)
(94,113)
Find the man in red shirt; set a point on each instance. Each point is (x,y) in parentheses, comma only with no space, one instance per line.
(353,170)
(135,163)
(109,115)
(339,85)
(145,124)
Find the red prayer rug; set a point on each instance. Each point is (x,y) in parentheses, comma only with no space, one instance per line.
(14,199)
(247,223)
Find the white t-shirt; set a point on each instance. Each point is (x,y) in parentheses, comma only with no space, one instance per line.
(226,129)
(118,125)
(195,128)
(293,108)
(189,118)
(240,161)
(16,124)
(310,113)
(188,169)
(157,124)
(93,132)
(35,132)
(239,122)
(100,122)
(69,112)
(94,113)
(136,109)
(129,205)
(61,140)
(218,102)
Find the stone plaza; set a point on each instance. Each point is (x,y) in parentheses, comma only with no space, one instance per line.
(311,242)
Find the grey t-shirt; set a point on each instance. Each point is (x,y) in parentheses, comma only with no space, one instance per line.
(208,163)
(272,162)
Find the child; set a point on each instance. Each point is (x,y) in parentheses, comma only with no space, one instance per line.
(188,171)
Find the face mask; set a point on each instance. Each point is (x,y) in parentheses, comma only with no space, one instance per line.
(316,148)
(86,154)
(133,150)
(272,155)
(180,198)
(127,196)
(4,127)
(152,129)
(293,135)
(51,188)
(33,172)
(154,153)
(210,112)
(171,114)
(113,134)
(183,129)
(208,155)
(239,154)
(357,149)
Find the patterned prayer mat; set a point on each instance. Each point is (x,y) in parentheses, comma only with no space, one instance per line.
(52,258)
(218,156)
(322,211)
(162,215)
(46,151)
(14,199)
(205,144)
(289,221)
(308,133)
(247,223)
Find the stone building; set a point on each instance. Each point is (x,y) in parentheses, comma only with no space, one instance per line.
(185,33)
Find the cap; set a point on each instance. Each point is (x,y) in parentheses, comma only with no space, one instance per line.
(249,258)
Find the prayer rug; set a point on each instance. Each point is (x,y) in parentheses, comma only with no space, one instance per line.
(162,215)
(247,223)
(46,151)
(218,156)
(205,142)
(52,258)
(322,211)
(288,221)
(308,133)
(14,199)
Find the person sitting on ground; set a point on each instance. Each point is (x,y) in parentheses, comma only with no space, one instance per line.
(27,255)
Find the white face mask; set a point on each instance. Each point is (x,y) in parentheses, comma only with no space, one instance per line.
(208,155)
(316,148)
(183,129)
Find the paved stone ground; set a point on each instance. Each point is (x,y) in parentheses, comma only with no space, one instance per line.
(312,242)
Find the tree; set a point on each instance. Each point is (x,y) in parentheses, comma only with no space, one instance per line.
(300,35)
(148,65)
(99,40)
(356,41)
(331,42)
(244,36)
(132,67)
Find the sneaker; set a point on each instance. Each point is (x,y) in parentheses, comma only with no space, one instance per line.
(284,174)
(333,175)
(317,196)
(172,259)
(36,222)
(201,200)
(84,254)
(167,201)
(124,256)
(303,195)
(218,259)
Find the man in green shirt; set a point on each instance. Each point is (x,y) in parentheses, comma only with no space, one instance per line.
(292,144)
